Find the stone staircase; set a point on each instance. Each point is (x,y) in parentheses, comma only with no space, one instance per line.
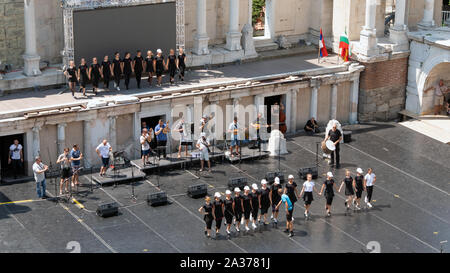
(265,45)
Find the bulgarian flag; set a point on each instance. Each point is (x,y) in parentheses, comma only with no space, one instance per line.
(344,46)
(322,47)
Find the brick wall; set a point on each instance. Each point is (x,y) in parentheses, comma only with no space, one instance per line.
(382,90)
(12,43)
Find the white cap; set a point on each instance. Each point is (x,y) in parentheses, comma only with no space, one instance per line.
(237,189)
(330,174)
(203,134)
(277,180)
(290,176)
(158,51)
(254,186)
(359,170)
(263,182)
(227,192)
(246,188)
(217,194)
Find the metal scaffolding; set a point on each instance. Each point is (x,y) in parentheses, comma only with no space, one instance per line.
(69,6)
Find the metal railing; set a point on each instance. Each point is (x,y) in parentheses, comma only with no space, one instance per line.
(446,18)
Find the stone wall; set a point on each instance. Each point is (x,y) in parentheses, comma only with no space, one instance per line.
(12,33)
(382,90)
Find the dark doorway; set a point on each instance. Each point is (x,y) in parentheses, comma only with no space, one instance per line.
(268,102)
(153,121)
(6,171)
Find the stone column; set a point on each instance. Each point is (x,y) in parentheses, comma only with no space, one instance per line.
(234,35)
(397,33)
(112,137)
(334,97)
(88,147)
(354,94)
(368,36)
(36,142)
(314,99)
(61,131)
(198,113)
(293,124)
(201,39)
(428,14)
(31,58)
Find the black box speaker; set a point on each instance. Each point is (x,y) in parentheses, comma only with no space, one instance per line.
(157,199)
(108,209)
(304,171)
(197,191)
(237,182)
(270,177)
(347,136)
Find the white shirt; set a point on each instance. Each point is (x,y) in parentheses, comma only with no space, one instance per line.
(308,186)
(439,90)
(38,176)
(203,148)
(64,163)
(369,179)
(144,146)
(15,151)
(104,149)
(232,127)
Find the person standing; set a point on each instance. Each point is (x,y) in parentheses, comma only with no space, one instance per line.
(83,76)
(289,212)
(103,150)
(158,66)
(439,90)
(328,185)
(218,211)
(75,158)
(275,197)
(203,146)
(255,204)
(291,190)
(237,208)
(15,157)
(228,211)
(161,131)
(257,124)
(145,140)
(171,65)
(149,66)
(359,186)
(116,69)
(307,192)
(106,72)
(71,74)
(95,74)
(369,181)
(39,170)
(349,191)
(64,160)
(138,67)
(127,69)
(234,130)
(247,206)
(207,210)
(264,201)
(181,63)
(335,136)
(181,128)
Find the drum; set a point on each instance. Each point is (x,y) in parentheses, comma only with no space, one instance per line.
(328,146)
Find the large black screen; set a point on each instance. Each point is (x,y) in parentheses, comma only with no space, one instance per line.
(103,31)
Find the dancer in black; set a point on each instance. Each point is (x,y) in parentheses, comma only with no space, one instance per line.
(127,69)
(359,186)
(218,211)
(207,210)
(158,65)
(181,63)
(291,190)
(138,67)
(247,206)
(71,74)
(328,186)
(255,204)
(237,208)
(172,65)
(149,66)
(349,191)
(117,70)
(83,76)
(264,201)
(106,72)
(229,211)
(95,74)
(275,198)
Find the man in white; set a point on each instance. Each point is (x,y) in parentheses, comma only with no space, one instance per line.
(39,170)
(202,145)
(15,157)
(103,150)
(234,130)
(439,91)
(145,140)
(369,180)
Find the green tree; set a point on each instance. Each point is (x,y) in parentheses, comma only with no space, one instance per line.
(257,9)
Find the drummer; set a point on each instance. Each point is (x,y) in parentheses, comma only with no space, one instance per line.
(335,136)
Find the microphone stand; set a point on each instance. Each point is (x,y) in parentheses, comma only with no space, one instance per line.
(133,196)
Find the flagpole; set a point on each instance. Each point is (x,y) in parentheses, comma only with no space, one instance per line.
(318,51)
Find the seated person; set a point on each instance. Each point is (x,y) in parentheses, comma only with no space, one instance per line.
(311,126)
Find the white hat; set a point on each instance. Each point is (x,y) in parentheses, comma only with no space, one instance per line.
(290,176)
(330,174)
(254,186)
(227,192)
(246,188)
(158,50)
(263,182)
(217,194)
(203,134)
(277,180)
(237,189)
(359,170)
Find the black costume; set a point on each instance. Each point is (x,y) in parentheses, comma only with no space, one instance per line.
(138,67)
(106,69)
(359,185)
(255,204)
(238,207)
(329,192)
(247,199)
(95,75)
(159,65)
(218,213)
(172,65)
(83,75)
(117,71)
(181,65)
(334,136)
(349,186)
(275,196)
(208,216)
(290,191)
(127,71)
(228,211)
(72,73)
(265,201)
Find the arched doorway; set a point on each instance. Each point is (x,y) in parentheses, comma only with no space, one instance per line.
(438,72)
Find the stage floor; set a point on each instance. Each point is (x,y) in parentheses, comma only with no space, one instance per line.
(411,205)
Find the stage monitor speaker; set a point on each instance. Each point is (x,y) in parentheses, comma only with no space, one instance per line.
(157,199)
(108,209)
(237,182)
(347,136)
(304,171)
(197,191)
(270,177)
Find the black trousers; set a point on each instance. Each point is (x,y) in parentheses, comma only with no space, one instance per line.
(16,165)
(138,75)
(106,81)
(369,193)
(182,69)
(127,79)
(162,143)
(95,80)
(117,78)
(336,152)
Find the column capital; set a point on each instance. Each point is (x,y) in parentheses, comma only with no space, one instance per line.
(36,128)
(63,124)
